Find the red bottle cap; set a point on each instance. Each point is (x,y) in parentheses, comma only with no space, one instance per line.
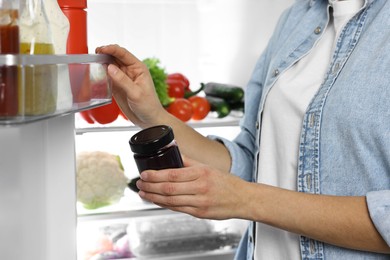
(82,4)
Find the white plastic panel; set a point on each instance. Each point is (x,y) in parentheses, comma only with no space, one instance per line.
(37,190)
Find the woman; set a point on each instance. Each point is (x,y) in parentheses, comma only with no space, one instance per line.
(311,166)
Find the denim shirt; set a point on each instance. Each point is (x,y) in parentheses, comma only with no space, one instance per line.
(345,137)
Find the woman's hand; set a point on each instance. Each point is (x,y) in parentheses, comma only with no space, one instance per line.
(204,192)
(133,87)
(196,189)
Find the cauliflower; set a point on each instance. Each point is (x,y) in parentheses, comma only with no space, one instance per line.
(100,179)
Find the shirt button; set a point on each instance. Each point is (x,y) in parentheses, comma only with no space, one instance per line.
(276,72)
(318,30)
(336,68)
(250,239)
(257,125)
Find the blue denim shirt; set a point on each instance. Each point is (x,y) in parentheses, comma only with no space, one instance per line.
(345,138)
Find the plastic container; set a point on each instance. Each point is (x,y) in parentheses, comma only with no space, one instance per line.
(155,148)
(98,79)
(174,235)
(9,44)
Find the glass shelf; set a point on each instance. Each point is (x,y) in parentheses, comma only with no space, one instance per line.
(37,87)
(121,124)
(131,205)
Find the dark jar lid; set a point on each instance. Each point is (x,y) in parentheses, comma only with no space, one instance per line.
(150,140)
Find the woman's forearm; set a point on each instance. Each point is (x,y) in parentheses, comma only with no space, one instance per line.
(339,220)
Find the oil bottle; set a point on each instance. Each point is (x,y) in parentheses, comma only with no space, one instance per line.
(38,91)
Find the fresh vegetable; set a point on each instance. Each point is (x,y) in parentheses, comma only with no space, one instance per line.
(176,88)
(189,93)
(133,184)
(230,93)
(103,115)
(180,77)
(200,107)
(100,179)
(237,106)
(179,86)
(219,105)
(85,115)
(181,108)
(159,77)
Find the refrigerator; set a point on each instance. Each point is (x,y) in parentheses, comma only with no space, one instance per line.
(206,40)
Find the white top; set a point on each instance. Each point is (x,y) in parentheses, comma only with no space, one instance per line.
(282,119)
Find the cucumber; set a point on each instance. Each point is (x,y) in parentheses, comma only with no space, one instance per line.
(237,106)
(230,93)
(219,105)
(132,184)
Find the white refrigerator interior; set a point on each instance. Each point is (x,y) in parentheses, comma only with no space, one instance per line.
(206,40)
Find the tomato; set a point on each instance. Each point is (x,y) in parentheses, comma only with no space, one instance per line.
(179,76)
(85,115)
(176,88)
(105,114)
(200,107)
(181,108)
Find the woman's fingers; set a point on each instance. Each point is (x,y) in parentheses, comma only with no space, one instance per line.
(123,56)
(185,174)
(133,87)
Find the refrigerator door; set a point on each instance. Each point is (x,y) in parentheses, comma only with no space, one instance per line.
(37,190)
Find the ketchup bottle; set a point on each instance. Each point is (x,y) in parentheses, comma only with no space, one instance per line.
(77,43)
(76,12)
(9,44)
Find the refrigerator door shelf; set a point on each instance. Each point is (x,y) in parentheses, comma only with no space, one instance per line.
(52,85)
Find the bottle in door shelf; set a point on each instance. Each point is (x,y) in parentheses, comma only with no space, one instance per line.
(78,44)
(60,26)
(9,44)
(38,88)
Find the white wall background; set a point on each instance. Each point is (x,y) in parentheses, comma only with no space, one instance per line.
(207,40)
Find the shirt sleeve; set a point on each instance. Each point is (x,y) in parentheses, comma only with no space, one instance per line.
(379,208)
(242,162)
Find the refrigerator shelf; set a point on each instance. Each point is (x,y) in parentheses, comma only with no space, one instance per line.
(131,205)
(164,234)
(37,87)
(82,127)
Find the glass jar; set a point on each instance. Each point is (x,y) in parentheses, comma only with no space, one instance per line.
(9,44)
(155,148)
(39,84)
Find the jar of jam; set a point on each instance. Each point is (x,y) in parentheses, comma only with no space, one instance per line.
(155,148)
(9,44)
